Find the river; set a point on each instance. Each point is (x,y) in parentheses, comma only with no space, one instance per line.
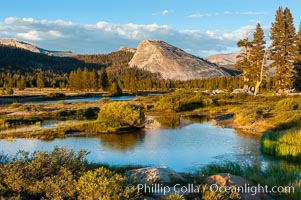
(185,148)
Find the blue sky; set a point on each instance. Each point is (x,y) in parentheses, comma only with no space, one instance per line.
(200,27)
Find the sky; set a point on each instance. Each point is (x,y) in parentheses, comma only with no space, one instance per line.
(200,27)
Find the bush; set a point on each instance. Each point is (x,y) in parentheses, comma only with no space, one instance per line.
(15,105)
(182,100)
(123,113)
(60,174)
(89,113)
(102,184)
(169,121)
(53,95)
(289,104)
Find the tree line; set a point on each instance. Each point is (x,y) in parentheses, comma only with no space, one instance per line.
(281,61)
(110,72)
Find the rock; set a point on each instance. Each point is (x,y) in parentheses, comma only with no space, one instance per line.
(173,63)
(225,179)
(239,91)
(155,175)
(127,49)
(225,60)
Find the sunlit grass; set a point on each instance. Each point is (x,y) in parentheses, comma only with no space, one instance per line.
(283,144)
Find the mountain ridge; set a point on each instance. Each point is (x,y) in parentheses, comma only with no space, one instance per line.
(33,48)
(172,62)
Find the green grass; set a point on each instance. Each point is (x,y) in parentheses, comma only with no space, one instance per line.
(283,144)
(273,175)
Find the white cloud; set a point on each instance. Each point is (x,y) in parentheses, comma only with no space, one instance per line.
(103,37)
(252,13)
(199,15)
(244,13)
(32,35)
(165,12)
(55,34)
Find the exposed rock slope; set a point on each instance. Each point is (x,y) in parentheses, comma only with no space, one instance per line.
(33,48)
(172,62)
(225,60)
(127,49)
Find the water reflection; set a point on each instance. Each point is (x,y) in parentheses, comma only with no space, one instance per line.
(183,148)
(121,142)
(86,99)
(198,118)
(169,121)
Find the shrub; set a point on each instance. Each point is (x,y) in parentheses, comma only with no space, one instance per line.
(169,121)
(53,95)
(60,174)
(182,100)
(122,112)
(289,104)
(102,184)
(89,113)
(15,105)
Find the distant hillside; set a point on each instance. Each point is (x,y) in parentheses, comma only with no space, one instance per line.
(17,59)
(114,59)
(173,63)
(33,48)
(224,60)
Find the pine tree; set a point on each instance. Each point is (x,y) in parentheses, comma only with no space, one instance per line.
(252,57)
(283,48)
(256,55)
(40,80)
(86,79)
(133,86)
(115,89)
(244,63)
(297,65)
(94,80)
(103,79)
(21,84)
(79,79)
(72,80)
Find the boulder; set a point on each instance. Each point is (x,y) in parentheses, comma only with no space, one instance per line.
(224,179)
(154,175)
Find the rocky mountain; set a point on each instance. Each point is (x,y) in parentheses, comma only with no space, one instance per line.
(127,49)
(172,62)
(225,60)
(33,48)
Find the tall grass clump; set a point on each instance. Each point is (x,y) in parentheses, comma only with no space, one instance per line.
(283,144)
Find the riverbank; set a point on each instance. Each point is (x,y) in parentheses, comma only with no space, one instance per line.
(246,114)
(35,95)
(65,173)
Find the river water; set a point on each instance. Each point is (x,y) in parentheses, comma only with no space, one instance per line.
(183,148)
